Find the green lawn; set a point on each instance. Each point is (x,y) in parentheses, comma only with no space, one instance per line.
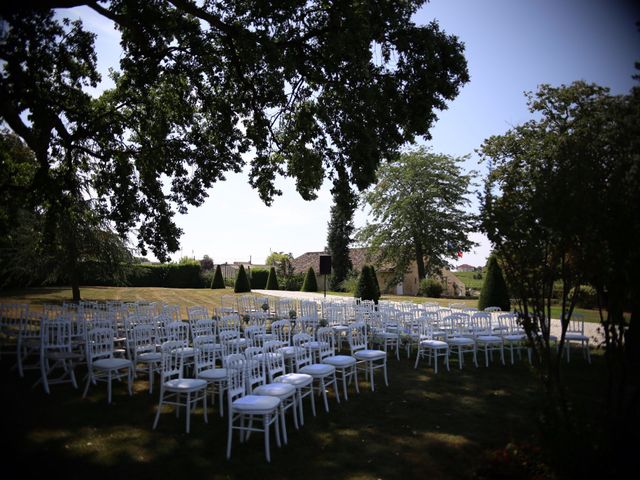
(469,281)
(457,424)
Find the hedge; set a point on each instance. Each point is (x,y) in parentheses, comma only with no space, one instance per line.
(259,277)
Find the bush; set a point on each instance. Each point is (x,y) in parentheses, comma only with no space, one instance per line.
(218,281)
(494,291)
(350,284)
(375,280)
(185,275)
(587,297)
(272,281)
(430,287)
(292,283)
(366,289)
(310,283)
(242,282)
(259,278)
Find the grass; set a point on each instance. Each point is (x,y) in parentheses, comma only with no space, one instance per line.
(469,281)
(453,425)
(448,425)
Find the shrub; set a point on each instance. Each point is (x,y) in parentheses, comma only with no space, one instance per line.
(430,287)
(272,281)
(184,275)
(494,291)
(310,283)
(242,282)
(587,297)
(218,281)
(259,278)
(292,283)
(375,280)
(350,284)
(366,289)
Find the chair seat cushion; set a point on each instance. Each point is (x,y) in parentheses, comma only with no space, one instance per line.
(281,390)
(488,339)
(460,341)
(295,379)
(255,403)
(340,328)
(315,345)
(288,352)
(576,336)
(186,351)
(514,338)
(339,360)
(185,384)
(112,363)
(213,374)
(434,344)
(370,354)
(149,357)
(318,369)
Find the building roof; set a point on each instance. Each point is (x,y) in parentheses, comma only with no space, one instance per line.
(312,259)
(465,265)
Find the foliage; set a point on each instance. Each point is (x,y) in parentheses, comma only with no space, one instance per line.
(418,211)
(218,281)
(375,281)
(310,283)
(282,263)
(307,86)
(259,278)
(366,289)
(494,290)
(430,287)
(340,229)
(188,261)
(206,263)
(350,284)
(242,281)
(272,281)
(559,208)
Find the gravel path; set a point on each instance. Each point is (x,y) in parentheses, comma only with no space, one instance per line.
(590,329)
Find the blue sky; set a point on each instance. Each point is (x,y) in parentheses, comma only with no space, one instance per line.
(512,46)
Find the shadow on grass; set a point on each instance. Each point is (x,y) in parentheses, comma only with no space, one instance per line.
(422,424)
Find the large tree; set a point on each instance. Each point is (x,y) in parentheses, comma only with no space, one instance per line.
(419,212)
(560,207)
(340,229)
(304,87)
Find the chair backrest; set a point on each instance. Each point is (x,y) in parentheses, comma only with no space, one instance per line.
(481,322)
(576,323)
(357,336)
(229,341)
(203,327)
(307,325)
(302,355)
(492,309)
(55,335)
(253,333)
(309,309)
(197,312)
(178,331)
(143,339)
(335,315)
(326,342)
(254,367)
(172,360)
(282,331)
(258,318)
(229,322)
(273,360)
(236,384)
(508,322)
(205,357)
(284,307)
(99,344)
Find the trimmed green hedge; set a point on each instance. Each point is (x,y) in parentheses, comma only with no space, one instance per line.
(310,283)
(259,277)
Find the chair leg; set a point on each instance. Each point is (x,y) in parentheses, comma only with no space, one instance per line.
(229,433)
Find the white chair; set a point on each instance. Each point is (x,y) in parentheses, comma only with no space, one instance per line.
(102,365)
(431,348)
(28,345)
(345,365)
(461,341)
(56,353)
(175,388)
(367,359)
(513,337)
(575,336)
(486,340)
(206,369)
(273,368)
(243,407)
(144,351)
(323,374)
(179,332)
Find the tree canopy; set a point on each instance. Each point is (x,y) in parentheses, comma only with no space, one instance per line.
(300,87)
(419,213)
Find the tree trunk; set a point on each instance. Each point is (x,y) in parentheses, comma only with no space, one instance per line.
(422,271)
(75,282)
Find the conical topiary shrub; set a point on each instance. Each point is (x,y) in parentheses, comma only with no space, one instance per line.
(494,291)
(242,282)
(310,283)
(366,289)
(272,280)
(375,280)
(218,280)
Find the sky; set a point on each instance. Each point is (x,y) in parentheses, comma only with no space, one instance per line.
(511,47)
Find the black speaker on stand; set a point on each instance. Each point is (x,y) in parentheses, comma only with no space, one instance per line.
(325,269)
